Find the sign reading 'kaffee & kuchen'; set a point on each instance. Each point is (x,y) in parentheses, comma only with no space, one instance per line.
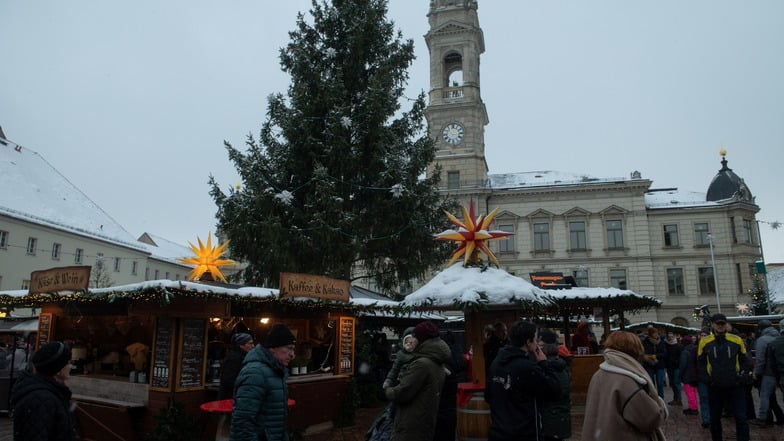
(317,287)
(66,278)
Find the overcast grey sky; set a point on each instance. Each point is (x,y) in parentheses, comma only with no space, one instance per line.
(132,101)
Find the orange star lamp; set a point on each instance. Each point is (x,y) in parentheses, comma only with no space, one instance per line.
(207,259)
(473,235)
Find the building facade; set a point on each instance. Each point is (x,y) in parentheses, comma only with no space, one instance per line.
(46,222)
(687,249)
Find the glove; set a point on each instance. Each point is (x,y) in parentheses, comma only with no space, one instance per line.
(387,383)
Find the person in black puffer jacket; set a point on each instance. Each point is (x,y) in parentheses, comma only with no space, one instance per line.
(519,381)
(41,400)
(557,410)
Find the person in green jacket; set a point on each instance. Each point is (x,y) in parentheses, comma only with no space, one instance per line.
(260,392)
(416,397)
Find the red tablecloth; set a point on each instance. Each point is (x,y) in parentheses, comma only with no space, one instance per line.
(465,391)
(225,406)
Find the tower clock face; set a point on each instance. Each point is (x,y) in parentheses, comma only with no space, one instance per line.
(453,133)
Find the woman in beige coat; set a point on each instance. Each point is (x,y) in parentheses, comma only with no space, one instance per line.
(622,403)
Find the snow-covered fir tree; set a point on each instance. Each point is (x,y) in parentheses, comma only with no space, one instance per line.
(335,181)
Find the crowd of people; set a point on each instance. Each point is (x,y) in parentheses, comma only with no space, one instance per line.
(527,384)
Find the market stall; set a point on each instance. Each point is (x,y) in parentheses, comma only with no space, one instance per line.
(140,348)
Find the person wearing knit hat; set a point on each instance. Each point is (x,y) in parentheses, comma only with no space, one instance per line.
(41,400)
(402,357)
(556,411)
(241,344)
(261,392)
(416,396)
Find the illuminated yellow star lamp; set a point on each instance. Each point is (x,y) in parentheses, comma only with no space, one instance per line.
(207,259)
(473,236)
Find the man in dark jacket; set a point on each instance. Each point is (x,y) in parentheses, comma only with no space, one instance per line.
(655,359)
(765,377)
(241,344)
(260,391)
(446,423)
(519,380)
(41,400)
(416,397)
(672,363)
(724,365)
(557,409)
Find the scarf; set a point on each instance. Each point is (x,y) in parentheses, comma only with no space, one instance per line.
(621,363)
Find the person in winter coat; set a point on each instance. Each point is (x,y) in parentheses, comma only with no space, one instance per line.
(765,377)
(241,344)
(520,380)
(688,369)
(416,396)
(722,362)
(402,358)
(557,410)
(495,341)
(655,358)
(622,403)
(41,401)
(672,364)
(582,339)
(446,422)
(260,392)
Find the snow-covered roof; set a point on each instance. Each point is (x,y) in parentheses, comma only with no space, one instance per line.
(582,300)
(34,191)
(546,178)
(654,199)
(776,284)
(164,291)
(674,198)
(164,249)
(660,325)
(458,287)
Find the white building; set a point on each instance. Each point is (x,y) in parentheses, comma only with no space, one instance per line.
(619,231)
(46,222)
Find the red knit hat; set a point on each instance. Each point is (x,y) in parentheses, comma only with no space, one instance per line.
(425,330)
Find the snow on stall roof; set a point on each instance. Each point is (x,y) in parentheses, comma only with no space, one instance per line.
(466,285)
(594,293)
(34,191)
(359,296)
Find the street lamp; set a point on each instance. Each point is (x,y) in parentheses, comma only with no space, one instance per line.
(715,279)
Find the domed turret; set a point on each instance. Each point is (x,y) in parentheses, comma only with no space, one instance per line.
(726,184)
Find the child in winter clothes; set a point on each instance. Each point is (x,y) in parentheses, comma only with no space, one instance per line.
(688,368)
(402,358)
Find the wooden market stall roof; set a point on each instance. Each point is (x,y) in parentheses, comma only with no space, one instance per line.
(612,301)
(668,327)
(166,291)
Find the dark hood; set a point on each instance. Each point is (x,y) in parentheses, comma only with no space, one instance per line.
(28,382)
(434,349)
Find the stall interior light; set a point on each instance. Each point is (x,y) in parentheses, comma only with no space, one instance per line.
(264,320)
(215,319)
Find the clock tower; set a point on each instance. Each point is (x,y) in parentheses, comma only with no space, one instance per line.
(456,114)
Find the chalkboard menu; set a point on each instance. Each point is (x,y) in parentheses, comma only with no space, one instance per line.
(193,346)
(162,356)
(44,328)
(346,345)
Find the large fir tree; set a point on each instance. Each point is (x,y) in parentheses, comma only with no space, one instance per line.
(335,181)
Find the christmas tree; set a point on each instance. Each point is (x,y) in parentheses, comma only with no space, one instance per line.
(334,185)
(759,296)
